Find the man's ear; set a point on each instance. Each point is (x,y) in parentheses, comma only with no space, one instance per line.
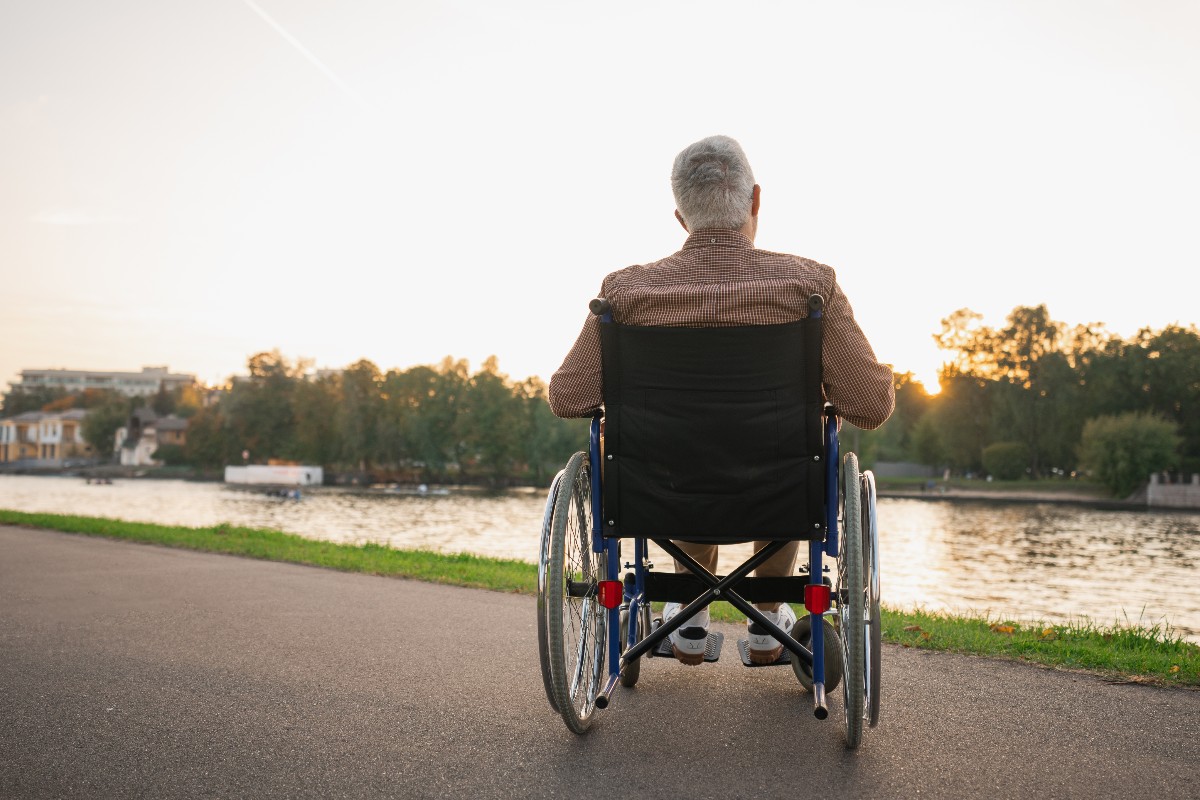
(756,199)
(679,217)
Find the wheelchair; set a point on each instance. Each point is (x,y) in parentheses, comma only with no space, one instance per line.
(715,435)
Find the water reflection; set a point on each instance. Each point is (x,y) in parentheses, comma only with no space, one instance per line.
(1024,561)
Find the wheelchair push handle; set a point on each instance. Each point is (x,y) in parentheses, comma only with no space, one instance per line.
(816,304)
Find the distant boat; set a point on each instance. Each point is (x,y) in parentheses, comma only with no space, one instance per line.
(418,491)
(272,475)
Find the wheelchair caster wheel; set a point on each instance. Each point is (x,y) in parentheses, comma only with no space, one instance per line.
(802,632)
(632,671)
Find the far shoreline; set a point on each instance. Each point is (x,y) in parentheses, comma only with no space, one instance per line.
(939,492)
(954,495)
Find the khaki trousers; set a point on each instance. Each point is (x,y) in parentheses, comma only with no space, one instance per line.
(780,565)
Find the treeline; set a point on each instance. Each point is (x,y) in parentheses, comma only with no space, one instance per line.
(425,423)
(1038,398)
(1034,398)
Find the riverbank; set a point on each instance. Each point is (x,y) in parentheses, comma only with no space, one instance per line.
(1058,492)
(1138,654)
(953,494)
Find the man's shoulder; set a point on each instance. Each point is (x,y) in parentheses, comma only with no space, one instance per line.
(636,273)
(684,266)
(798,263)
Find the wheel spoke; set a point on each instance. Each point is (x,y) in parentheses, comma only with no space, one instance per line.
(580,650)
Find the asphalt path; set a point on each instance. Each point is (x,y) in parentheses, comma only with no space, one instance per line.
(139,671)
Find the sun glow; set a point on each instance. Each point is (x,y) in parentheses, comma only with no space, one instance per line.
(467,200)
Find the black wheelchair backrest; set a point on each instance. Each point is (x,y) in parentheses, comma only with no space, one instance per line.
(713,434)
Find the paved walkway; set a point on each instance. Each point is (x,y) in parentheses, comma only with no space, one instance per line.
(137,671)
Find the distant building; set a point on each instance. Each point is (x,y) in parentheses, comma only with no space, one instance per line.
(139,440)
(149,381)
(44,438)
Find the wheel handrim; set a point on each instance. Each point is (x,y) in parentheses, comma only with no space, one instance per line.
(873,644)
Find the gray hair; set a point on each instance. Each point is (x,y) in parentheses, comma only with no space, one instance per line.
(713,184)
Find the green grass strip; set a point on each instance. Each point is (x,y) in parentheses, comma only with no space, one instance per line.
(1122,653)
(373,559)
(1153,655)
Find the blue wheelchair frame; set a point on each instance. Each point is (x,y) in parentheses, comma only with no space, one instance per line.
(638,643)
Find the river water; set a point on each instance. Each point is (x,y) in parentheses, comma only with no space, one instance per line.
(1021,561)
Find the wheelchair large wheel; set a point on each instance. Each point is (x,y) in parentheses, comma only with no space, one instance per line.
(874,639)
(576,623)
(851,601)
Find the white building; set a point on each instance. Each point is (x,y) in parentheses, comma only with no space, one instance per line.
(148,381)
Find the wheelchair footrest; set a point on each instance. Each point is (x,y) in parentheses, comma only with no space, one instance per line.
(744,652)
(712,648)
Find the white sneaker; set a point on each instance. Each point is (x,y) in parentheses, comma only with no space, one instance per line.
(765,648)
(688,642)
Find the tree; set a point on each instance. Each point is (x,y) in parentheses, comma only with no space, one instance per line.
(970,344)
(1122,451)
(101,423)
(490,424)
(927,441)
(1171,382)
(20,399)
(892,441)
(258,411)
(964,419)
(358,416)
(1028,378)
(314,412)
(1006,460)
(170,454)
(211,441)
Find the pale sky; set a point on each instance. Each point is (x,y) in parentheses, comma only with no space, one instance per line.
(188,183)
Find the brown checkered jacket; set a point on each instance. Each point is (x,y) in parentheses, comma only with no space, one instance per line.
(718,278)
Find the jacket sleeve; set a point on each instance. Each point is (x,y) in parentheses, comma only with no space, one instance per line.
(860,388)
(576,388)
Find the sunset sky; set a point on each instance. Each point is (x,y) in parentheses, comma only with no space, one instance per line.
(188,183)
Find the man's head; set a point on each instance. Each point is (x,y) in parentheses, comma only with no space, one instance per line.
(714,186)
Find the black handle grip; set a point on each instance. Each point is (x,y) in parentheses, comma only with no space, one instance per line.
(599,306)
(816,303)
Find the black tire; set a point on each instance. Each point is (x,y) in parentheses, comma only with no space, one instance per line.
(576,623)
(851,601)
(874,640)
(542,605)
(802,632)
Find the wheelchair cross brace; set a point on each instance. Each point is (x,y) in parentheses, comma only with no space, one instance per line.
(719,589)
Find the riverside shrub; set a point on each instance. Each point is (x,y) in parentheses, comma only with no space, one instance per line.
(1006,460)
(1122,451)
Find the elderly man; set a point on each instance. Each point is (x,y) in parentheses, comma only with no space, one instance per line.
(719,278)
